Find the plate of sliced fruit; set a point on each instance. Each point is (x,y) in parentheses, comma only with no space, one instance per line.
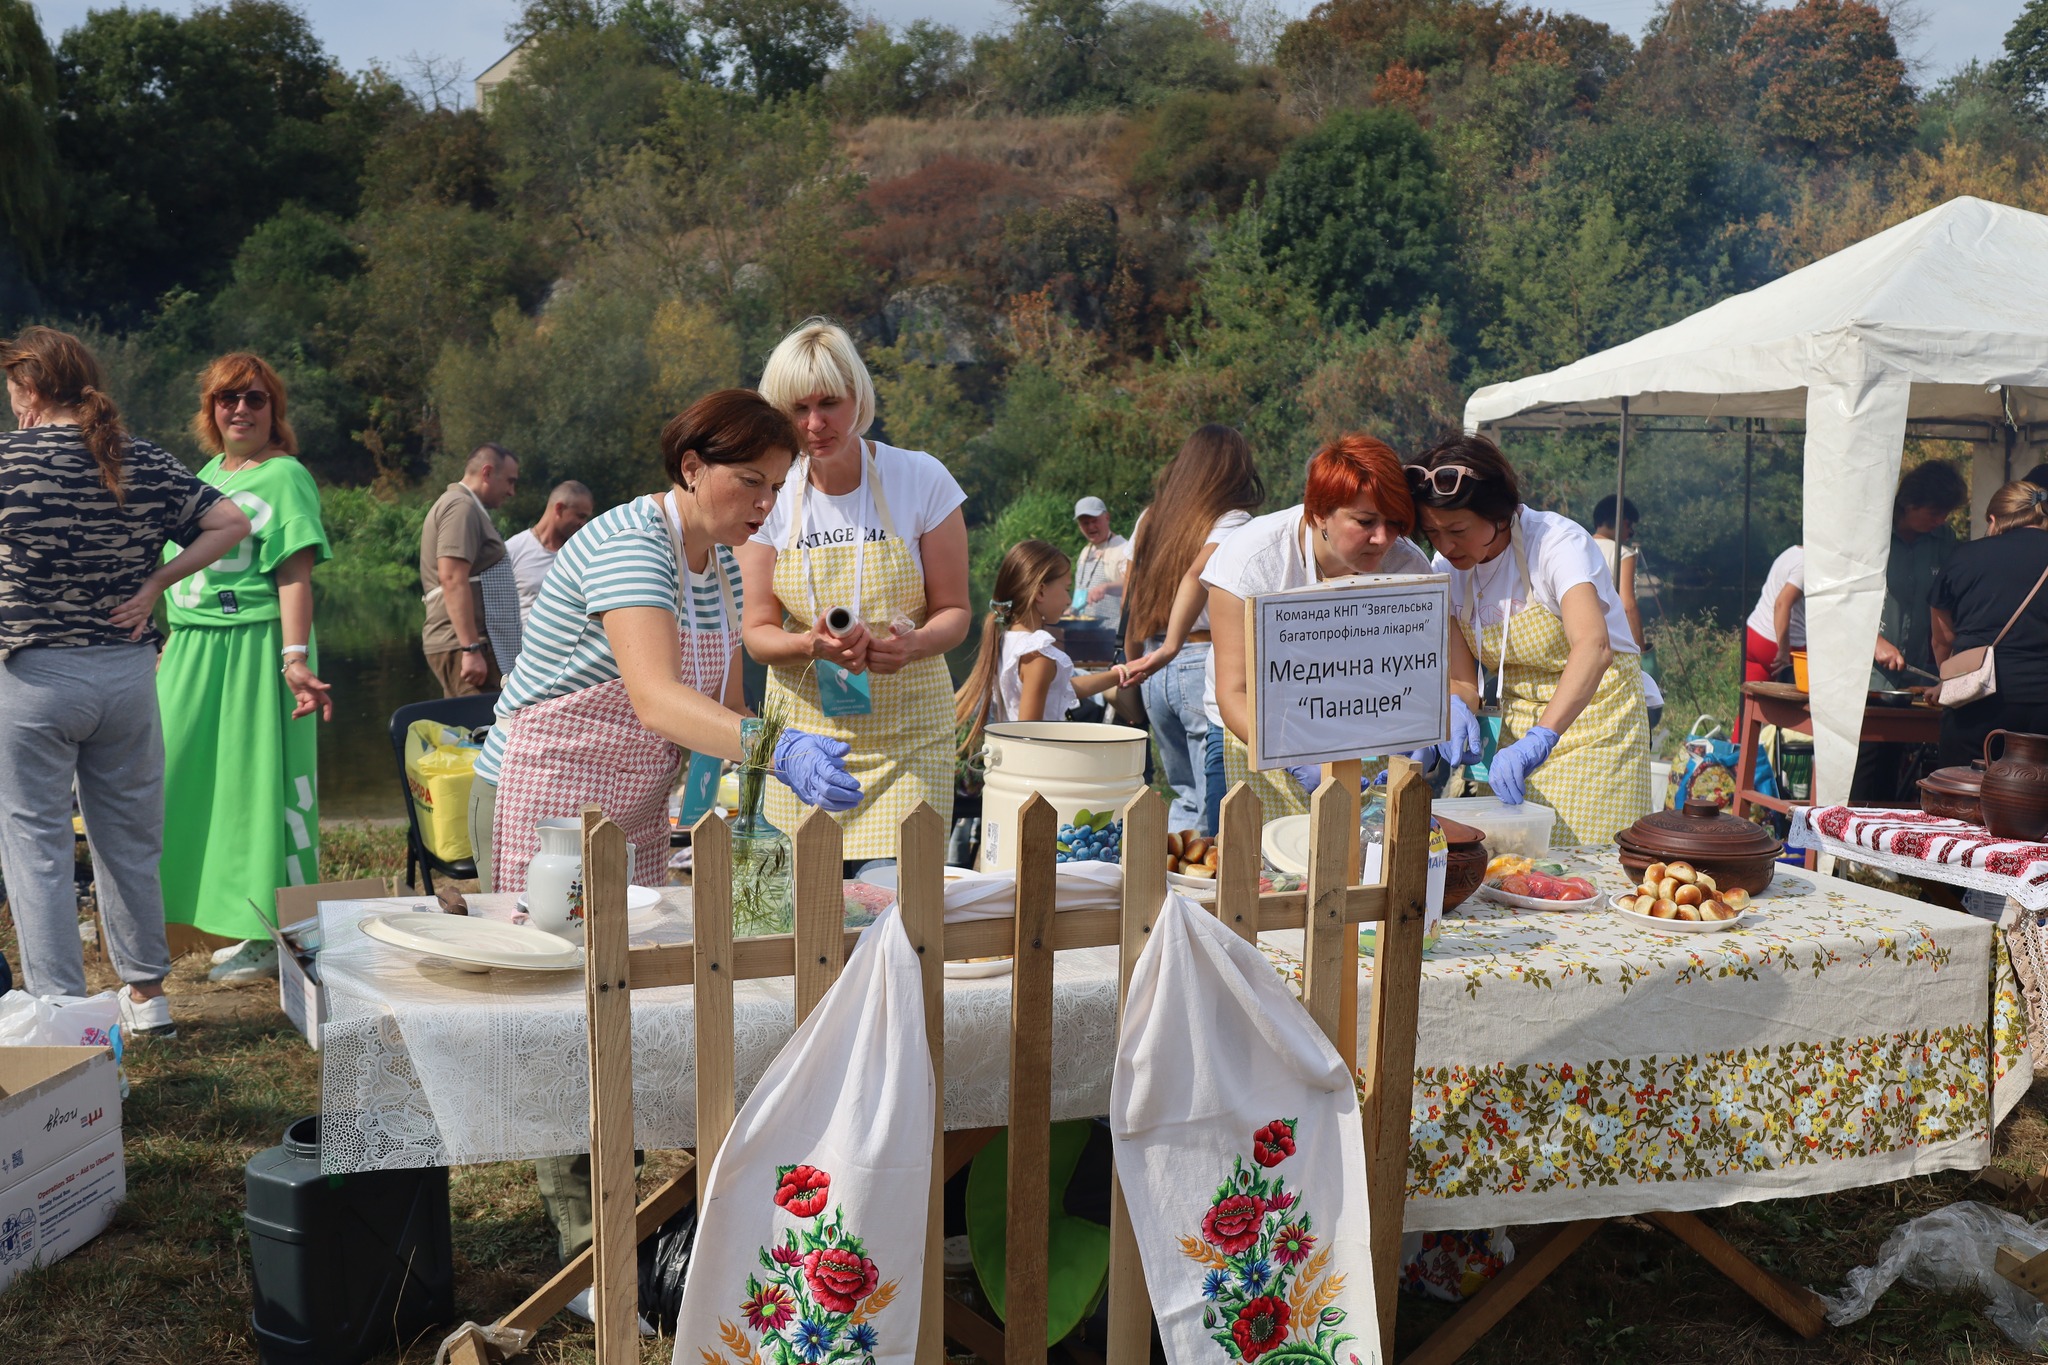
(1677,898)
(1536,884)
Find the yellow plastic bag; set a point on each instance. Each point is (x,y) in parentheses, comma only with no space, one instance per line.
(439,762)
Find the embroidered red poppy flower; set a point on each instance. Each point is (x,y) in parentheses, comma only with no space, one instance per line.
(1273,1143)
(839,1279)
(1233,1225)
(802,1190)
(1261,1325)
(1292,1244)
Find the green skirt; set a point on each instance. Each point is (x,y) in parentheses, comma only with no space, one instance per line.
(241,802)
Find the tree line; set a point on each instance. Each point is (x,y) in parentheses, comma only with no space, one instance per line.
(1064,243)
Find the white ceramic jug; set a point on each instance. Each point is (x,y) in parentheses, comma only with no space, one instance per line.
(554,879)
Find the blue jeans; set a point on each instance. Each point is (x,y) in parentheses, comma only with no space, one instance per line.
(1212,793)
(1173,701)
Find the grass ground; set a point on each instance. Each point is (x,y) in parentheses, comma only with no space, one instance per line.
(169,1281)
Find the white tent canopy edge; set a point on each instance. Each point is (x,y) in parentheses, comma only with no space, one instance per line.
(1939,324)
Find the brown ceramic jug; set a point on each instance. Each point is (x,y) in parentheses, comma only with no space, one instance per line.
(2015,798)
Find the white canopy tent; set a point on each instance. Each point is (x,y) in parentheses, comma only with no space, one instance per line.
(1937,327)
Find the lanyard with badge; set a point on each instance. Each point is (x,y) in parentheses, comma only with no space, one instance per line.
(841,692)
(1489,703)
(700,783)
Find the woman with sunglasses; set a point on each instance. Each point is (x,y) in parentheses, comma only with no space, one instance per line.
(1534,601)
(1354,517)
(238,685)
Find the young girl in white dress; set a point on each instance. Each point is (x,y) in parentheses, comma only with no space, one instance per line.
(1019,673)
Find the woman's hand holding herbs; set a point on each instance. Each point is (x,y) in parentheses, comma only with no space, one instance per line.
(814,767)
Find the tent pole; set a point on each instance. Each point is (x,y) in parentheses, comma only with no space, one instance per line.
(1620,488)
(1748,455)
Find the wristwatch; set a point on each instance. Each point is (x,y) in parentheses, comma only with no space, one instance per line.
(476,648)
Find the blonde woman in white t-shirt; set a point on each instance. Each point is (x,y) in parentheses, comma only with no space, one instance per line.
(1019,673)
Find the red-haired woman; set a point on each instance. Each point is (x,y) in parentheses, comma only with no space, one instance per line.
(1354,517)
(238,686)
(1536,605)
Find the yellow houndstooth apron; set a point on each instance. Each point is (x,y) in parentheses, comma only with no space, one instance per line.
(902,750)
(1279,794)
(1597,779)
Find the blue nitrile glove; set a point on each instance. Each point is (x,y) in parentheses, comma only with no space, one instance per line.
(1467,741)
(1510,769)
(1309,775)
(814,767)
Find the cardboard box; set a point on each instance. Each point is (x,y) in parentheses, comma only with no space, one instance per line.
(61,1168)
(298,977)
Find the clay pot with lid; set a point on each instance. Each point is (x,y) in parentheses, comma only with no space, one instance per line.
(1954,793)
(1733,852)
(1465,868)
(2015,797)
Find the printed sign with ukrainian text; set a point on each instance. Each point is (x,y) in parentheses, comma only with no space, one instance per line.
(1355,668)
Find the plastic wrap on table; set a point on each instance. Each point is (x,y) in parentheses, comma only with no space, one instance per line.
(1954,1250)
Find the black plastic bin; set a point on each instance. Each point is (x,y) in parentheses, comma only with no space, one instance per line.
(343,1267)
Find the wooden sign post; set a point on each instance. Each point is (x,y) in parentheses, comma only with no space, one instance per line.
(1346,670)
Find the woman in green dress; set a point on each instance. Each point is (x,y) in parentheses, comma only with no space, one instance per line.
(238,683)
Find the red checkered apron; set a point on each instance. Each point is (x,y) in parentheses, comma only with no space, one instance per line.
(589,746)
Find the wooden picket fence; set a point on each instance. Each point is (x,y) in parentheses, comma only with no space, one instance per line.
(1329,909)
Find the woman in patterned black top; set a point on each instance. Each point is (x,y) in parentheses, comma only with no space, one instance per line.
(85,511)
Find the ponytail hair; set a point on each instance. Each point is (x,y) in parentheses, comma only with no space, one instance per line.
(2020,504)
(1026,569)
(58,370)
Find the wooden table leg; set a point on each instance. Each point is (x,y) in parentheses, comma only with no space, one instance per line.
(469,1348)
(963,1145)
(573,1278)
(1502,1292)
(975,1332)
(1794,1305)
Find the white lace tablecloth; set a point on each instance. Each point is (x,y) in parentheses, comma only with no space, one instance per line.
(1568,1065)
(428,1066)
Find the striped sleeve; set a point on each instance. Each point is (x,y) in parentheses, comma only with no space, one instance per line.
(632,567)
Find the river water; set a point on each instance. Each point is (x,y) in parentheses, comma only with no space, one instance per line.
(370,652)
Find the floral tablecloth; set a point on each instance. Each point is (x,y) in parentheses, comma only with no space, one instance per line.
(1572,1065)
(1568,1065)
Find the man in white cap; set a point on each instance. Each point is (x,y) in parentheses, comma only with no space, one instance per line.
(1100,571)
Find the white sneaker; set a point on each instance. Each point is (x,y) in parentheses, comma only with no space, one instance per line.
(145,1018)
(580,1306)
(221,955)
(253,961)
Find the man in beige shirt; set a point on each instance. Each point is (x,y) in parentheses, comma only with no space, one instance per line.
(458,544)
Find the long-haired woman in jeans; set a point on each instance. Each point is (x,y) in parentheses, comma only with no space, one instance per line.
(1208,490)
(85,512)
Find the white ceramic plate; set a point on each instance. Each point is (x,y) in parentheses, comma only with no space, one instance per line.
(1199,889)
(475,944)
(971,971)
(637,898)
(885,877)
(1500,897)
(1284,841)
(1685,926)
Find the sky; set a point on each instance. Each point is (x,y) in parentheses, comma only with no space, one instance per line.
(471,33)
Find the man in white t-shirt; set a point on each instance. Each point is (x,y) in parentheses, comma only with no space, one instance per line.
(1100,571)
(532,552)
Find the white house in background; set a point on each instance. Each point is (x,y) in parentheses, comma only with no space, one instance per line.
(497,73)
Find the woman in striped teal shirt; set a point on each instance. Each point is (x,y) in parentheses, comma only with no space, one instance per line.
(631,655)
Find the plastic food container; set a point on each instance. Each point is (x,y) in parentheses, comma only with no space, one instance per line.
(1523,830)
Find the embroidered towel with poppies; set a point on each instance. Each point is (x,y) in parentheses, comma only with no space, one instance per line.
(810,1248)
(1240,1148)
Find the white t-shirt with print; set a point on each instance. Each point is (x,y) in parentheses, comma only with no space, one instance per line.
(1266,554)
(1017,646)
(1562,554)
(1787,570)
(920,491)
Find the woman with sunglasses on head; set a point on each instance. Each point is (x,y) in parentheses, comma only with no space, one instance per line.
(239,685)
(1354,518)
(1534,600)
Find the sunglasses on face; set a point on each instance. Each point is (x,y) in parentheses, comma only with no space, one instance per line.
(1421,476)
(231,399)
